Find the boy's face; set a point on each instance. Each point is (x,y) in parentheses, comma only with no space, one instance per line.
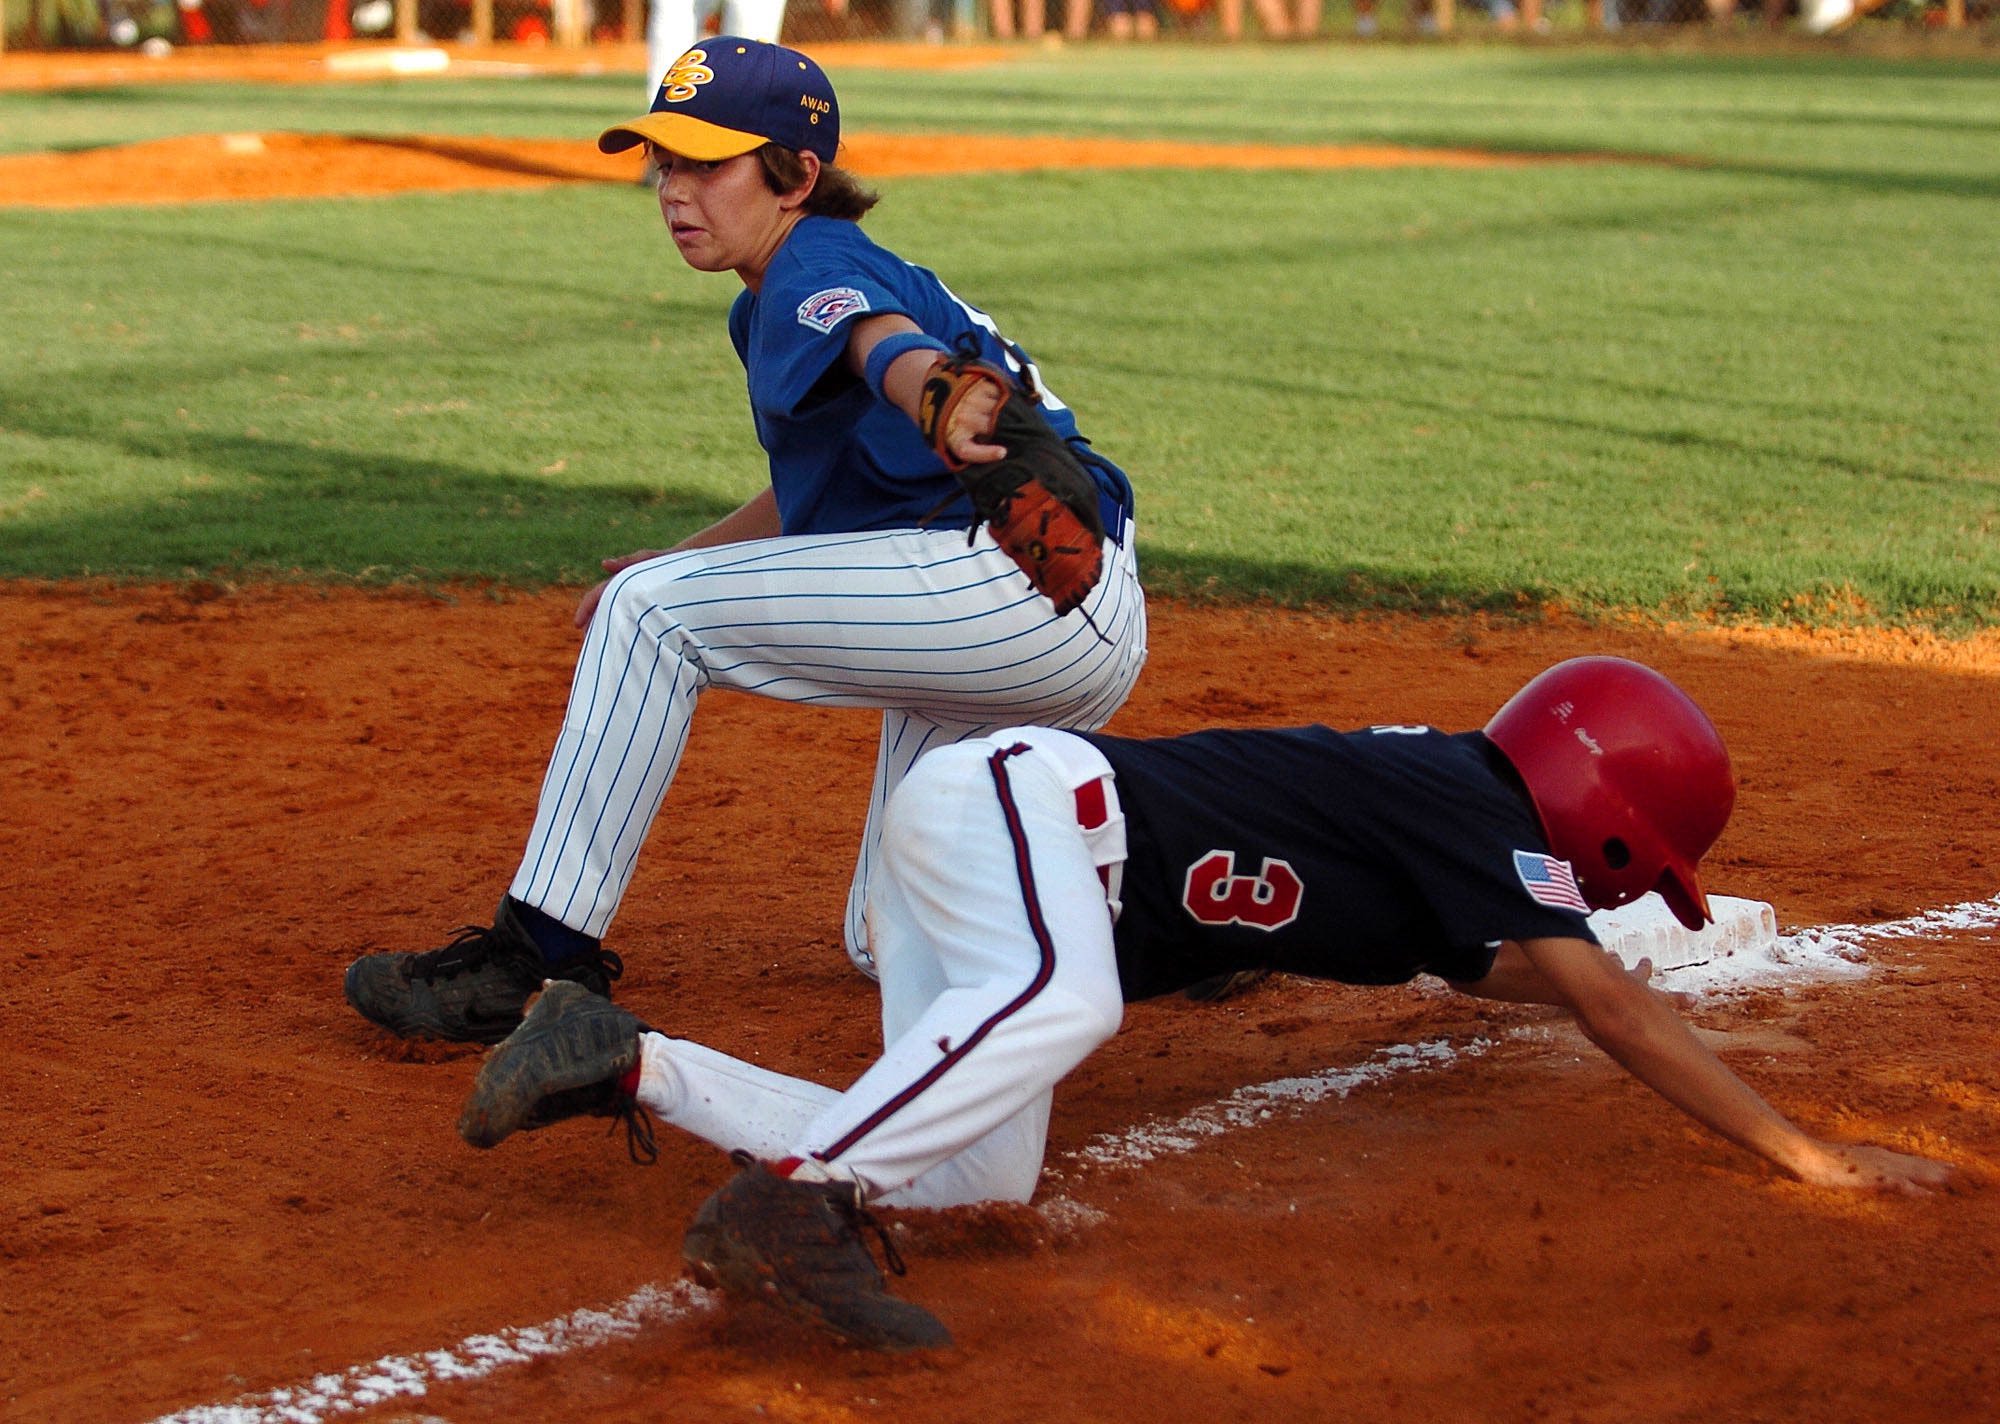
(722,215)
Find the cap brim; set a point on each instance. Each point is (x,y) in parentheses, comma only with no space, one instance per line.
(682,134)
(1684,897)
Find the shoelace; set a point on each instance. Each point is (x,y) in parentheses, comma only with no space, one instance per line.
(845,1198)
(472,946)
(862,1219)
(890,1256)
(639,1144)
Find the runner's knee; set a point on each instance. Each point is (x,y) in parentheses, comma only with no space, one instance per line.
(939,778)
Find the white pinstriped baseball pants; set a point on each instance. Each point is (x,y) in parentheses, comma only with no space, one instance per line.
(948,640)
(993,933)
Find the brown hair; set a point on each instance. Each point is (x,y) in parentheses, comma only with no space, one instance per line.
(837,194)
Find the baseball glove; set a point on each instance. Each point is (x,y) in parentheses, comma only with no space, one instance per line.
(1038,501)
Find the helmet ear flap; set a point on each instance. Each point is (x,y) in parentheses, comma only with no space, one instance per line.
(1628,777)
(1685,898)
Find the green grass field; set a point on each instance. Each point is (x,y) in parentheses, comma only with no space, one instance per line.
(1764,382)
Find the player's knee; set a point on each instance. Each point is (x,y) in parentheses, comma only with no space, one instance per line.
(940,778)
(646,593)
(1012,1181)
(948,768)
(632,585)
(1108,1012)
(1082,1019)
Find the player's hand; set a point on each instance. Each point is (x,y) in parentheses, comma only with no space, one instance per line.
(1643,972)
(1026,483)
(587,609)
(971,420)
(1860,1167)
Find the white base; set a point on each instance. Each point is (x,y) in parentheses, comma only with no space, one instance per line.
(1647,929)
(1824,16)
(388,61)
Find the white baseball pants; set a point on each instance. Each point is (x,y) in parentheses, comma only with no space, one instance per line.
(991,925)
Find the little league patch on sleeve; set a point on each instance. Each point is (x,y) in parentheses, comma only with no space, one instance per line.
(1549,881)
(823,311)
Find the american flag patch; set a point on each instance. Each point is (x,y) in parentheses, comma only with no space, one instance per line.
(1549,881)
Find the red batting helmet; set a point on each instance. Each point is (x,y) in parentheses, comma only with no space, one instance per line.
(1629,777)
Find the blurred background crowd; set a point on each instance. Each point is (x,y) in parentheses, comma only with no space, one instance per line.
(156,26)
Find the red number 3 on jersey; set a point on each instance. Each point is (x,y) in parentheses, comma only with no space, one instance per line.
(1216,895)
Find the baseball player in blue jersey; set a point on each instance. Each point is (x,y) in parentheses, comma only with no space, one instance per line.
(1033,881)
(894,415)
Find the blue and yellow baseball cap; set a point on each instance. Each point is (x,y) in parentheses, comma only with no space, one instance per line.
(728,96)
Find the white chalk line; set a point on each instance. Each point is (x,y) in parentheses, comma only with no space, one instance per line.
(1826,952)
(1246,1107)
(1953,919)
(362,1387)
(1822,952)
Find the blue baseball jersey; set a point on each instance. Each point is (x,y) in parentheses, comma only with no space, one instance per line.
(1366,857)
(841,460)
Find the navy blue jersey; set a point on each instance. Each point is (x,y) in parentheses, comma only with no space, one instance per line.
(1365,857)
(842,461)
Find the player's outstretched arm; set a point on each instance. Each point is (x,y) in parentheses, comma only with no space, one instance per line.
(1640,1029)
(1514,979)
(903,385)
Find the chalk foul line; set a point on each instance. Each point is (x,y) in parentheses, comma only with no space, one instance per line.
(1816,952)
(350,1391)
(1855,939)
(1246,1107)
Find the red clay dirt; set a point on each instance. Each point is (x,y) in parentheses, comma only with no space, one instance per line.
(201,168)
(222,1182)
(255,166)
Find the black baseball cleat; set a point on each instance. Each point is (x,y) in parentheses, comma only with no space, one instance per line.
(473,990)
(798,1246)
(564,1061)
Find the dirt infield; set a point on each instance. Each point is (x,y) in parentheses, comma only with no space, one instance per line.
(224,167)
(219,167)
(222,1183)
(223,1186)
